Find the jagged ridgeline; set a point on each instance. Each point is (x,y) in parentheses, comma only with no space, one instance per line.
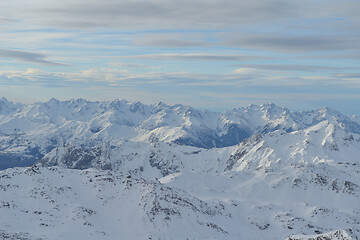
(29,132)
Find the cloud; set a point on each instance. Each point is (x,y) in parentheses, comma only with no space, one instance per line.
(164,14)
(267,25)
(110,77)
(201,90)
(170,42)
(259,98)
(196,57)
(176,39)
(244,70)
(300,43)
(349,75)
(290,67)
(132,66)
(151,14)
(353,78)
(4,19)
(353,55)
(27,57)
(275,44)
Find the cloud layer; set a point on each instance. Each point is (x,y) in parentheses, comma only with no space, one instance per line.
(199,90)
(199,50)
(169,14)
(27,57)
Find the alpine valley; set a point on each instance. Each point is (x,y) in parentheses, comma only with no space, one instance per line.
(118,170)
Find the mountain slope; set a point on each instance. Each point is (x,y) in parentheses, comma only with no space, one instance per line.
(56,203)
(71,204)
(276,184)
(118,169)
(28,132)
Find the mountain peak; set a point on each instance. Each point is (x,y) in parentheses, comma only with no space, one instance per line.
(267,105)
(53,101)
(3,99)
(7,107)
(160,105)
(329,111)
(78,101)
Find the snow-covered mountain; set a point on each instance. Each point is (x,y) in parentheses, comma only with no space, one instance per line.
(56,203)
(110,170)
(28,132)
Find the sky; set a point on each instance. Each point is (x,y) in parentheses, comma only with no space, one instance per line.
(209,54)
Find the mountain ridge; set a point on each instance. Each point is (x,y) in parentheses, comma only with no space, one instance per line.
(38,128)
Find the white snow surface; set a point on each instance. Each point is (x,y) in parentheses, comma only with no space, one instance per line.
(120,170)
(53,203)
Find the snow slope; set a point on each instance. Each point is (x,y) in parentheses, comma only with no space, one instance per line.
(60,203)
(120,170)
(53,203)
(275,184)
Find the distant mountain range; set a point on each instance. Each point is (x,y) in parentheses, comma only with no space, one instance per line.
(121,170)
(28,132)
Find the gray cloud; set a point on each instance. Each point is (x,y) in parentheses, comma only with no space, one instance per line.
(170,42)
(132,66)
(292,67)
(5,19)
(352,55)
(101,31)
(196,57)
(128,65)
(349,76)
(280,19)
(312,43)
(27,57)
(156,14)
(200,90)
(119,78)
(164,14)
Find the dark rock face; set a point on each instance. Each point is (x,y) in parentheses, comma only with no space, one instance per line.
(77,157)
(17,236)
(336,235)
(25,159)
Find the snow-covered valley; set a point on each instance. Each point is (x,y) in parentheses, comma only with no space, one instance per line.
(120,170)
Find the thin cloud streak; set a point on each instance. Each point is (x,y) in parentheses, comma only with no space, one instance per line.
(352,55)
(27,57)
(352,76)
(302,43)
(182,39)
(211,90)
(170,43)
(5,19)
(196,57)
(154,14)
(117,77)
(169,14)
(292,67)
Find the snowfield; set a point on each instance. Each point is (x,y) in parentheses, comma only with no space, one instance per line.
(120,170)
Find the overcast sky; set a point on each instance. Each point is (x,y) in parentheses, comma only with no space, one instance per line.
(205,53)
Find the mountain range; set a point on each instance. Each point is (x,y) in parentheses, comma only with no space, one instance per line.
(118,170)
